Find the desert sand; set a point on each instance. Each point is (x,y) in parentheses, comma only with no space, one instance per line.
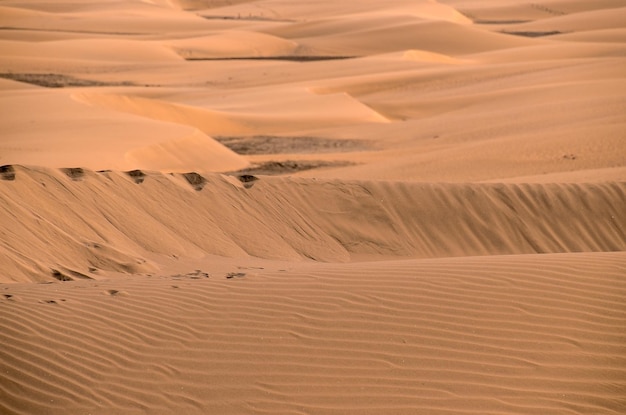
(331,207)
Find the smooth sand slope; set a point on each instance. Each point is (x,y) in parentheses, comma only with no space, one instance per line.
(330,207)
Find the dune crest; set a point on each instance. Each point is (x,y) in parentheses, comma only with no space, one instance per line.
(431,57)
(197,152)
(343,219)
(234,44)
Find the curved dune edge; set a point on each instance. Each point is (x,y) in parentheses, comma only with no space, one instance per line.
(97,138)
(159,216)
(510,334)
(196,151)
(235,43)
(114,50)
(432,57)
(336,109)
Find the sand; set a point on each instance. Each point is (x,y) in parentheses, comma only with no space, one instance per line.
(372,207)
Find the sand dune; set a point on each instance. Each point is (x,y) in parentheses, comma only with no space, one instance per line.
(505,334)
(311,109)
(112,18)
(330,207)
(234,44)
(106,139)
(320,220)
(88,49)
(577,22)
(396,33)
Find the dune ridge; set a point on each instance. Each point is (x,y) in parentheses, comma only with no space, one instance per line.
(289,219)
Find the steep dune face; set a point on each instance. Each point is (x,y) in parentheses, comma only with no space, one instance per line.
(192,216)
(70,133)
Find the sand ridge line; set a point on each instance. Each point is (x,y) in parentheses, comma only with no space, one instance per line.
(194,214)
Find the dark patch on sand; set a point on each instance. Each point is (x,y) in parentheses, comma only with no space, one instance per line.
(235,275)
(74,173)
(249,18)
(52,80)
(195,275)
(137,175)
(274,168)
(7,172)
(68,275)
(58,275)
(533,34)
(247,180)
(270,144)
(198,182)
(307,58)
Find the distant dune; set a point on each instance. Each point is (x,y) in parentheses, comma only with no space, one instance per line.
(330,207)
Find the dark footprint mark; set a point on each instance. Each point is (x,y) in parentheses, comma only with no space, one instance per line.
(247,180)
(7,172)
(58,275)
(74,173)
(235,275)
(196,275)
(114,293)
(198,182)
(137,175)
(50,302)
(175,286)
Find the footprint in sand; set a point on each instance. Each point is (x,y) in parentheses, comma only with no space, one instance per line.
(116,293)
(137,175)
(198,182)
(235,275)
(7,172)
(196,275)
(50,301)
(74,173)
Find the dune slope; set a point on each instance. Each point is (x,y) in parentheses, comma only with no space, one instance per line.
(289,219)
